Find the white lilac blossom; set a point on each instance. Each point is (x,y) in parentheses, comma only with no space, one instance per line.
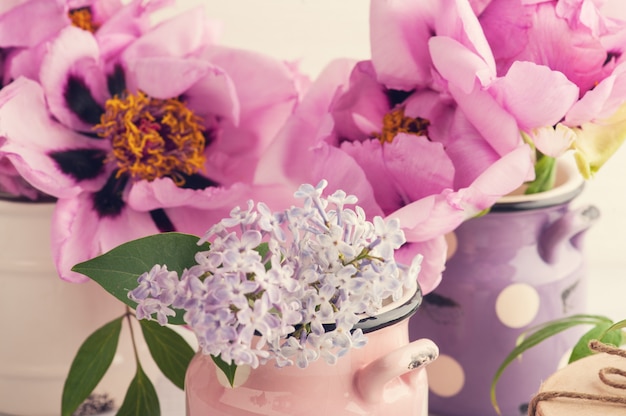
(285,286)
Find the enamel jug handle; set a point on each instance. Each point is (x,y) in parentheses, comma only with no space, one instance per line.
(570,227)
(371,379)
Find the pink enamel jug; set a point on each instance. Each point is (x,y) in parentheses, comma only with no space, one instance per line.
(385,377)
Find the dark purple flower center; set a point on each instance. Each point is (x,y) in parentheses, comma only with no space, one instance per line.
(108,201)
(80,164)
(612,56)
(80,100)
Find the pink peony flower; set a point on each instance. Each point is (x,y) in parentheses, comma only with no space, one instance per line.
(412,155)
(113,25)
(139,141)
(410,144)
(13,186)
(570,42)
(570,36)
(22,45)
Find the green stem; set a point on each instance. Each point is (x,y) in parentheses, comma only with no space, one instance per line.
(132,334)
(545,175)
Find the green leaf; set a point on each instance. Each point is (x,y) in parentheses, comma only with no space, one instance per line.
(600,332)
(117,270)
(170,351)
(535,336)
(263,249)
(482,213)
(89,365)
(618,325)
(227,369)
(545,175)
(141,398)
(596,142)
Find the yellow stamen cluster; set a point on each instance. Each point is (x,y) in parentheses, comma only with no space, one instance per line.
(396,122)
(83,19)
(153,138)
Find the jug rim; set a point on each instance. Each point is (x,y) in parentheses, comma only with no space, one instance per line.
(390,314)
(569,184)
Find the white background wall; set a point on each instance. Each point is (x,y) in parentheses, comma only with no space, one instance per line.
(315,31)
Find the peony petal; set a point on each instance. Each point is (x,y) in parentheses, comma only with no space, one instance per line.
(430,217)
(12,183)
(260,80)
(29,143)
(121,26)
(24,63)
(359,112)
(439,214)
(505,25)
(73,79)
(501,178)
(132,18)
(459,65)
(469,152)
(369,157)
(433,262)
(536,95)
(213,95)
(325,162)
(111,48)
(535,33)
(553,141)
(197,218)
(396,172)
(78,234)
(164,193)
(456,20)
(31,23)
(478,6)
(286,158)
(494,123)
(183,35)
(600,102)
(101,10)
(147,75)
(399,32)
(267,92)
(74,226)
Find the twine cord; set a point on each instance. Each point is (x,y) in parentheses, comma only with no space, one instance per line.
(603,374)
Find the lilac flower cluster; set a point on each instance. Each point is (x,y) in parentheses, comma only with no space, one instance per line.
(287,285)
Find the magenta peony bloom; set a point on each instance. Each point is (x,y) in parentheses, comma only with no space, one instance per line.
(582,47)
(391,132)
(411,155)
(572,37)
(113,25)
(22,46)
(410,144)
(137,142)
(13,186)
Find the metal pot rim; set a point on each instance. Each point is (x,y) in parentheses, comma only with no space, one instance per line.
(569,184)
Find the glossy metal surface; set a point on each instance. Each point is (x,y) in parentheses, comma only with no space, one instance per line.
(386,377)
(514,268)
